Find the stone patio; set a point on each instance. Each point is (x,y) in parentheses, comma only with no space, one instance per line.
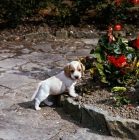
(22,66)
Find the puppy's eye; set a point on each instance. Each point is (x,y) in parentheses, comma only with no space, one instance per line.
(79,69)
(71,71)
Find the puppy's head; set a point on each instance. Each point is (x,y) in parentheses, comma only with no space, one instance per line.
(74,70)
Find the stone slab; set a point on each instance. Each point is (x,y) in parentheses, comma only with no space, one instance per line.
(5,55)
(42,47)
(84,34)
(10,63)
(46,58)
(91,41)
(61,34)
(15,79)
(39,36)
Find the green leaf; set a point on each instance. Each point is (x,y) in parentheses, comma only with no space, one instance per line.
(93,71)
(110,46)
(103,40)
(98,49)
(108,71)
(119,103)
(100,70)
(98,57)
(103,80)
(117,51)
(99,54)
(118,89)
(130,50)
(127,100)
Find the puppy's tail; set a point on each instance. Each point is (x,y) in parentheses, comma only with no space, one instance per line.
(35,93)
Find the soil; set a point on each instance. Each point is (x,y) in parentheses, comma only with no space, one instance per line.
(101,97)
(98,96)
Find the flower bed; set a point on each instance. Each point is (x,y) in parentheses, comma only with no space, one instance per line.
(115,65)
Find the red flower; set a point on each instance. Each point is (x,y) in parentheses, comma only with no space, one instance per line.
(135,43)
(120,62)
(118,2)
(133,1)
(111,59)
(118,27)
(110,28)
(129,106)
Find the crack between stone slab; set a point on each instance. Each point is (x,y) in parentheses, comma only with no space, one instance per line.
(57,134)
(5,86)
(4,58)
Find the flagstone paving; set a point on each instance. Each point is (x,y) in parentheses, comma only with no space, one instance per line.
(22,66)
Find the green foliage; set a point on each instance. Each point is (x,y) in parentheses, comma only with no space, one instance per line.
(73,11)
(12,11)
(118,89)
(111,11)
(116,65)
(115,62)
(87,89)
(122,99)
(65,12)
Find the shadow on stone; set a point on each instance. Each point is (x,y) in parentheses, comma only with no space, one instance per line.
(25,105)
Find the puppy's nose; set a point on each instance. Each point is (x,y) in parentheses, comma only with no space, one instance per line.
(76,77)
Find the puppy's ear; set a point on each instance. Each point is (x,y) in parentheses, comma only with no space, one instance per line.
(83,68)
(67,70)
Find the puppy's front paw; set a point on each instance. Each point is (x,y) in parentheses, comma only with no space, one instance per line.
(37,108)
(74,94)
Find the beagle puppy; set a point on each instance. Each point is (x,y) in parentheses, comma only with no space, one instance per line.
(59,83)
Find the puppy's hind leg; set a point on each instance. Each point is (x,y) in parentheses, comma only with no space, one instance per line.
(41,97)
(37,103)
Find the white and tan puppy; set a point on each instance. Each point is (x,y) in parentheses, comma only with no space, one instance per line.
(59,83)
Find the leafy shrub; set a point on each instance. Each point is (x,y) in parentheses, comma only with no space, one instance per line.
(73,11)
(114,10)
(115,64)
(65,12)
(116,60)
(12,11)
